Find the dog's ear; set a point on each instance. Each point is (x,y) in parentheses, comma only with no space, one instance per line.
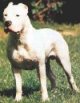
(10,4)
(24,6)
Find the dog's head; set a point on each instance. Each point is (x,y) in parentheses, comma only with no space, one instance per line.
(14,17)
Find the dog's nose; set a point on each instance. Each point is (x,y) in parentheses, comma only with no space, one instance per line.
(8,23)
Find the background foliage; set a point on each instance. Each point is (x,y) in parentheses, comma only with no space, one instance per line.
(49,10)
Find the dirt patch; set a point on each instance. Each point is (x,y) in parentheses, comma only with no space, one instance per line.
(68,32)
(2,33)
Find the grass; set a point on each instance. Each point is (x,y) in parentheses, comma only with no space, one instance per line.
(31,86)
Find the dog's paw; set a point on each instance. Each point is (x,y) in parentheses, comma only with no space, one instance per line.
(45,98)
(77,90)
(18,97)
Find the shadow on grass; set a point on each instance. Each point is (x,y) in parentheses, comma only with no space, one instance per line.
(8,92)
(12,91)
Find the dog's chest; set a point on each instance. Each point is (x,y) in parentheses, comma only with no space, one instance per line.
(23,57)
(22,53)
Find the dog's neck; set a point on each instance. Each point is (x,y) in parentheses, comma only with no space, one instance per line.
(27,27)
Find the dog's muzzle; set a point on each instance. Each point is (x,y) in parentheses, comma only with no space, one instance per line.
(6,25)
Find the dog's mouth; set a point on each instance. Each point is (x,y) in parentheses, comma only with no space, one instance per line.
(6,29)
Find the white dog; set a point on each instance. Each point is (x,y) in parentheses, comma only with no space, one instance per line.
(29,48)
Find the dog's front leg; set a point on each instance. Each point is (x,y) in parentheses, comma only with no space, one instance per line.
(42,75)
(18,82)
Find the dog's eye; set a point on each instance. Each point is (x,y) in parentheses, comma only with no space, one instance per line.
(17,15)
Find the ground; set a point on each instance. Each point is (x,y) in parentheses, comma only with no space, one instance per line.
(31,86)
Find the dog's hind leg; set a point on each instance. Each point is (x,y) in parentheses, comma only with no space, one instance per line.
(63,55)
(50,75)
(18,81)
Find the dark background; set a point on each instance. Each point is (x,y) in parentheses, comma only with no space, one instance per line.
(70,10)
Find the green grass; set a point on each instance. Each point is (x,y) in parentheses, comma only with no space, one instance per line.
(31,86)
